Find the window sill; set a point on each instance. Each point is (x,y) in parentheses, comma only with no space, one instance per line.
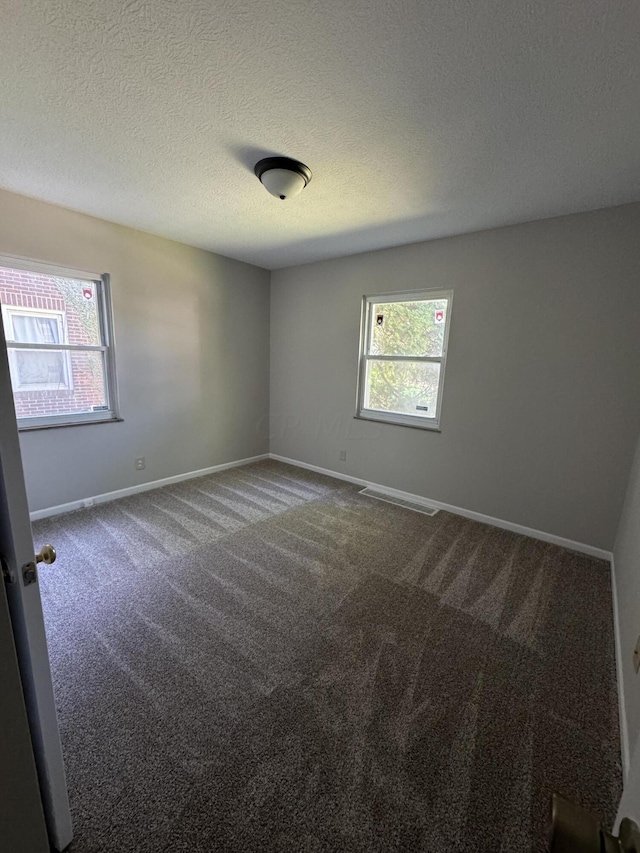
(32,427)
(390,422)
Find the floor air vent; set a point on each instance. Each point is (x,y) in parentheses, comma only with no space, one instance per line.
(390,499)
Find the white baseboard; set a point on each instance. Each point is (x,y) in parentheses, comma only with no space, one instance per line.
(142,487)
(624,729)
(591,550)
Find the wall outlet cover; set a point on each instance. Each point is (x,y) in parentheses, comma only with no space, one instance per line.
(343,455)
(140,463)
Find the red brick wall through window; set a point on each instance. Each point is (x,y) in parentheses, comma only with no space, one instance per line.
(38,291)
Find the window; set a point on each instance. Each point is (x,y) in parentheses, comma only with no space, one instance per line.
(36,370)
(57,326)
(403,352)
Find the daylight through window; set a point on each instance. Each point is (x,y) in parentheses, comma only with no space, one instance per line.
(56,324)
(403,355)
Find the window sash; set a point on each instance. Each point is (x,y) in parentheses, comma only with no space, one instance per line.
(71,419)
(102,285)
(418,421)
(409,296)
(70,347)
(438,359)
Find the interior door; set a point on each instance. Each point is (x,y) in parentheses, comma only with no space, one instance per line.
(25,608)
(22,826)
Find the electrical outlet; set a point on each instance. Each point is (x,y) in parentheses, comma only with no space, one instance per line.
(140,463)
(87,502)
(343,455)
(636,656)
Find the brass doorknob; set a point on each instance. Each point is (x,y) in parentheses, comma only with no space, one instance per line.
(46,554)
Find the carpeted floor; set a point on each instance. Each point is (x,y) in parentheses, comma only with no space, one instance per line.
(265,660)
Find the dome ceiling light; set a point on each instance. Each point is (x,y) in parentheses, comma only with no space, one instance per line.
(283,178)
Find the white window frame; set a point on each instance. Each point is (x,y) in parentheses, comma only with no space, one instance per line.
(400,418)
(8,313)
(102,290)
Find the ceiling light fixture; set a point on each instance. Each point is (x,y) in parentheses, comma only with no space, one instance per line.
(283,178)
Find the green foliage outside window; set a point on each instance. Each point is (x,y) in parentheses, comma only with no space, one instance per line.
(406,328)
(86,312)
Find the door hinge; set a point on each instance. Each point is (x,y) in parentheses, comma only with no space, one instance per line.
(7,574)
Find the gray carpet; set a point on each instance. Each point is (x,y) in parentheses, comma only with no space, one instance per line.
(265,660)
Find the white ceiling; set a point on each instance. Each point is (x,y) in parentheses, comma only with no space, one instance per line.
(418,118)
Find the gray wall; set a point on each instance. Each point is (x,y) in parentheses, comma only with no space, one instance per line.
(192,349)
(540,410)
(627,580)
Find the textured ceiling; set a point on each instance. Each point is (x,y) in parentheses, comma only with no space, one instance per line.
(418,118)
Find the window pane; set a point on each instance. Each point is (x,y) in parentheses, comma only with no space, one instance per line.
(39,368)
(64,310)
(408,328)
(81,311)
(85,390)
(407,387)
